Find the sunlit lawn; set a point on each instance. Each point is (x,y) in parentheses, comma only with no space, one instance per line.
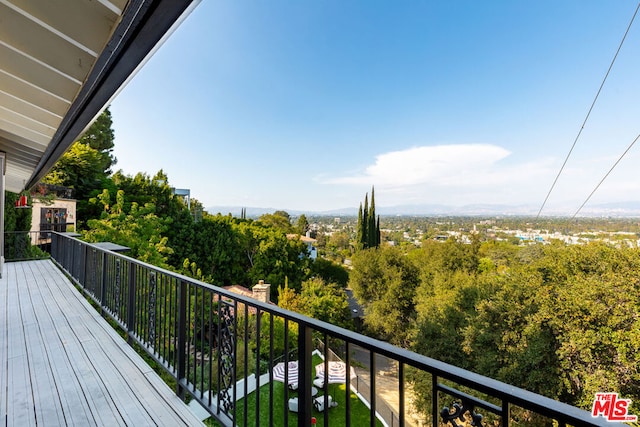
(337,416)
(359,413)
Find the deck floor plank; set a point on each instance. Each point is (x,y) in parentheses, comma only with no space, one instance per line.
(19,391)
(48,405)
(62,364)
(104,361)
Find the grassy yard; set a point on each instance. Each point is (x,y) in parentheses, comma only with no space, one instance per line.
(337,416)
(359,413)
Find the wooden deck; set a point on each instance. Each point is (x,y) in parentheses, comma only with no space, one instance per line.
(62,364)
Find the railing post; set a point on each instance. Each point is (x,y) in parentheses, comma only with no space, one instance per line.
(401,392)
(103,283)
(434,400)
(305,364)
(372,387)
(348,383)
(505,412)
(182,338)
(52,248)
(131,303)
(83,266)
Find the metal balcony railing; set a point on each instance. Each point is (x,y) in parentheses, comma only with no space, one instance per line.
(221,348)
(26,245)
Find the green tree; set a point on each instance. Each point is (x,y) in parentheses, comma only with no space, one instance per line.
(144,189)
(373,235)
(368,226)
(365,223)
(325,301)
(216,248)
(360,231)
(275,258)
(330,272)
(101,137)
(384,281)
(338,241)
(289,299)
(302,226)
(86,167)
(137,228)
(321,300)
(279,219)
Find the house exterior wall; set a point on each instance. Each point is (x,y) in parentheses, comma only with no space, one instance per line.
(69,207)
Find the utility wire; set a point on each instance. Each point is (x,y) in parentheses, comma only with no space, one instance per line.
(606,175)
(589,112)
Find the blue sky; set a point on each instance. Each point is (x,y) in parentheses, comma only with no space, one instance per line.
(307,104)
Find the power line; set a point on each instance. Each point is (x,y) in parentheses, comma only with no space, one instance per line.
(589,112)
(605,176)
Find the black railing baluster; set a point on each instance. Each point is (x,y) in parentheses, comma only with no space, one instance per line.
(219,347)
(202,343)
(162,331)
(257,374)
(325,380)
(173,315)
(234,372)
(246,361)
(435,410)
(271,402)
(182,339)
(189,335)
(211,344)
(131,303)
(506,416)
(286,372)
(348,383)
(103,282)
(372,385)
(401,408)
(305,364)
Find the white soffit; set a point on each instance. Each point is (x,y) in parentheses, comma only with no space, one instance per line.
(61,61)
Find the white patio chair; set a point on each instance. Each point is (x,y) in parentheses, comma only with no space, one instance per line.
(318,403)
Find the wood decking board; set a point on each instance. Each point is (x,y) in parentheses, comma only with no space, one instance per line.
(62,364)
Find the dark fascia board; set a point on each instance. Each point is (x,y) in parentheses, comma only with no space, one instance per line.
(143,25)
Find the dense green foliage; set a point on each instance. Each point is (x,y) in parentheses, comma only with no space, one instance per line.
(562,321)
(145,216)
(17,242)
(318,299)
(16,219)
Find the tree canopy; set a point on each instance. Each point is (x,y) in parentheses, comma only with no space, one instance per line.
(557,320)
(86,167)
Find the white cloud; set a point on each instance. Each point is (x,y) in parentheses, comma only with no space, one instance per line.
(454,174)
(439,165)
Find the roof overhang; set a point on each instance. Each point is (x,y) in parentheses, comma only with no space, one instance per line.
(61,63)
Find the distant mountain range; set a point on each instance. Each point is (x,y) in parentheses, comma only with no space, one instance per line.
(618,209)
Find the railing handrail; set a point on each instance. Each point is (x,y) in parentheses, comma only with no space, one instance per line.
(505,392)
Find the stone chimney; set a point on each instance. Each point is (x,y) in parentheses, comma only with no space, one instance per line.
(262,292)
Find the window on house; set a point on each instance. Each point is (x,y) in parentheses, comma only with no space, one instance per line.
(53,219)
